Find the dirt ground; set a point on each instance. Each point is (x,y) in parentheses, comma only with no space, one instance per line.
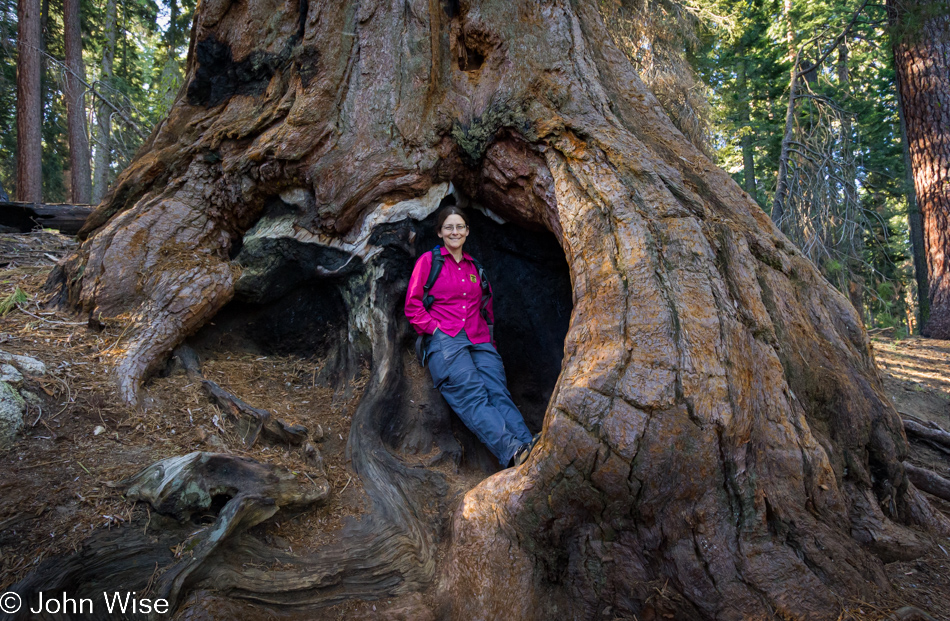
(60,475)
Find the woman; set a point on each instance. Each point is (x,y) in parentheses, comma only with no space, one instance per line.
(462,359)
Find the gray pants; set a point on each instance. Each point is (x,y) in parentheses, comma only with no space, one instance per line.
(472,380)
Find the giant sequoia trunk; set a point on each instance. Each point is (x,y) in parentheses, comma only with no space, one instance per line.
(717,444)
(922,59)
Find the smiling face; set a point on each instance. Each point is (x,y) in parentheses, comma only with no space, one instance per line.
(452,236)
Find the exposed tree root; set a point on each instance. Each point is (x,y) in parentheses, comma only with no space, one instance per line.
(929,481)
(183,488)
(928,432)
(252,422)
(910,613)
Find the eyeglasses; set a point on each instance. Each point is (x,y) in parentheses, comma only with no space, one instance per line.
(461,228)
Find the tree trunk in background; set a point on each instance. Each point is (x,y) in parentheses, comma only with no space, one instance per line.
(915,225)
(922,60)
(29,108)
(718,443)
(103,151)
(79,166)
(748,155)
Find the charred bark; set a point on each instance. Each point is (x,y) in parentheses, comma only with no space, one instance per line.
(717,424)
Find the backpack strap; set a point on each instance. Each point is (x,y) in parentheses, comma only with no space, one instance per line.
(486,297)
(437,261)
(428,300)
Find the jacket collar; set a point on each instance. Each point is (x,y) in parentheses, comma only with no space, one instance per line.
(446,253)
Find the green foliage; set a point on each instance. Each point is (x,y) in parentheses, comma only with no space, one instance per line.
(913,18)
(148,67)
(748,74)
(11,301)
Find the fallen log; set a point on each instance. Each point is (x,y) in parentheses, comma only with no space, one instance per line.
(928,481)
(927,431)
(25,217)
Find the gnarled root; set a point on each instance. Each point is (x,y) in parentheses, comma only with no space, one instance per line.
(928,481)
(181,487)
(927,432)
(183,302)
(252,421)
(910,613)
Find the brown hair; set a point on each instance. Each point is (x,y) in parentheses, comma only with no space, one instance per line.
(445,212)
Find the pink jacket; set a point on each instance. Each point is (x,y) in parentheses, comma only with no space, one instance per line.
(458,299)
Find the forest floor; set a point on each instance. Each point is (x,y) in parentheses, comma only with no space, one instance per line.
(60,476)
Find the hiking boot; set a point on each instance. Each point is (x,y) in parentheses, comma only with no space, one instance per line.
(524,451)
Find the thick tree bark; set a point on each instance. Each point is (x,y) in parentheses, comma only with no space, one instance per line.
(74,91)
(922,60)
(103,151)
(29,110)
(718,426)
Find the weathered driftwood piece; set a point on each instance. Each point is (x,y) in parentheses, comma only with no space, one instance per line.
(928,480)
(240,513)
(185,485)
(251,421)
(929,432)
(67,219)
